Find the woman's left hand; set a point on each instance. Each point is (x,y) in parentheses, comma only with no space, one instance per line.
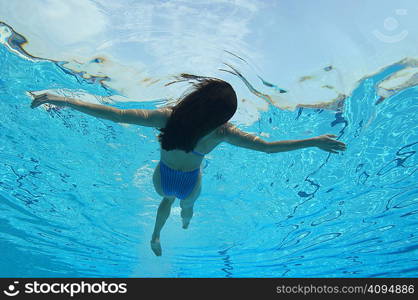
(328,143)
(47,98)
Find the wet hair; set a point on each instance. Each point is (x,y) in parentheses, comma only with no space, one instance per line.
(211,103)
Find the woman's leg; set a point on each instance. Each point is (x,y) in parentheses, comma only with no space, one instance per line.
(188,203)
(162,215)
(186,215)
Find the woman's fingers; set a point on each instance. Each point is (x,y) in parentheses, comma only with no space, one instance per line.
(38,99)
(338,147)
(327,143)
(336,144)
(36,103)
(41,97)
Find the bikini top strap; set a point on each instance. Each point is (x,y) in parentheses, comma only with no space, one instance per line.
(198,153)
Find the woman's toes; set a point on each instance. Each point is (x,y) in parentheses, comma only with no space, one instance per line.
(156,247)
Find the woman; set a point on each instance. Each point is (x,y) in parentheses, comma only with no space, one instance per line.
(189,130)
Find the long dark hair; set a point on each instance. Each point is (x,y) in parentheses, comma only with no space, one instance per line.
(211,103)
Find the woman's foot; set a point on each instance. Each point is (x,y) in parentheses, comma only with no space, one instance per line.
(186,223)
(156,246)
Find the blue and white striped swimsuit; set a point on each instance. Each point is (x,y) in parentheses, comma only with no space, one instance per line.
(178,183)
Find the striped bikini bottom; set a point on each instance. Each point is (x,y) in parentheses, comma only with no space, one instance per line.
(178,183)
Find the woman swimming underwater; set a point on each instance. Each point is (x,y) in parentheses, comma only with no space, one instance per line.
(188,131)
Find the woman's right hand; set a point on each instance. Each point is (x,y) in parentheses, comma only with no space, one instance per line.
(327,143)
(47,98)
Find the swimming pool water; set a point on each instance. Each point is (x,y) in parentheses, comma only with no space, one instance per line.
(76,194)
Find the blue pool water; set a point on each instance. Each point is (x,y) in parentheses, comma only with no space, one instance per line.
(76,195)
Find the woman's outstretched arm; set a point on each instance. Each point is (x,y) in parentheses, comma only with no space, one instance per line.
(237,137)
(144,117)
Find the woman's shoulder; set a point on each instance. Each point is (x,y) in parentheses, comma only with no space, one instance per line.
(165,113)
(166,110)
(223,129)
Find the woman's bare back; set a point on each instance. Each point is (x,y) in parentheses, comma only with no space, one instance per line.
(181,160)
